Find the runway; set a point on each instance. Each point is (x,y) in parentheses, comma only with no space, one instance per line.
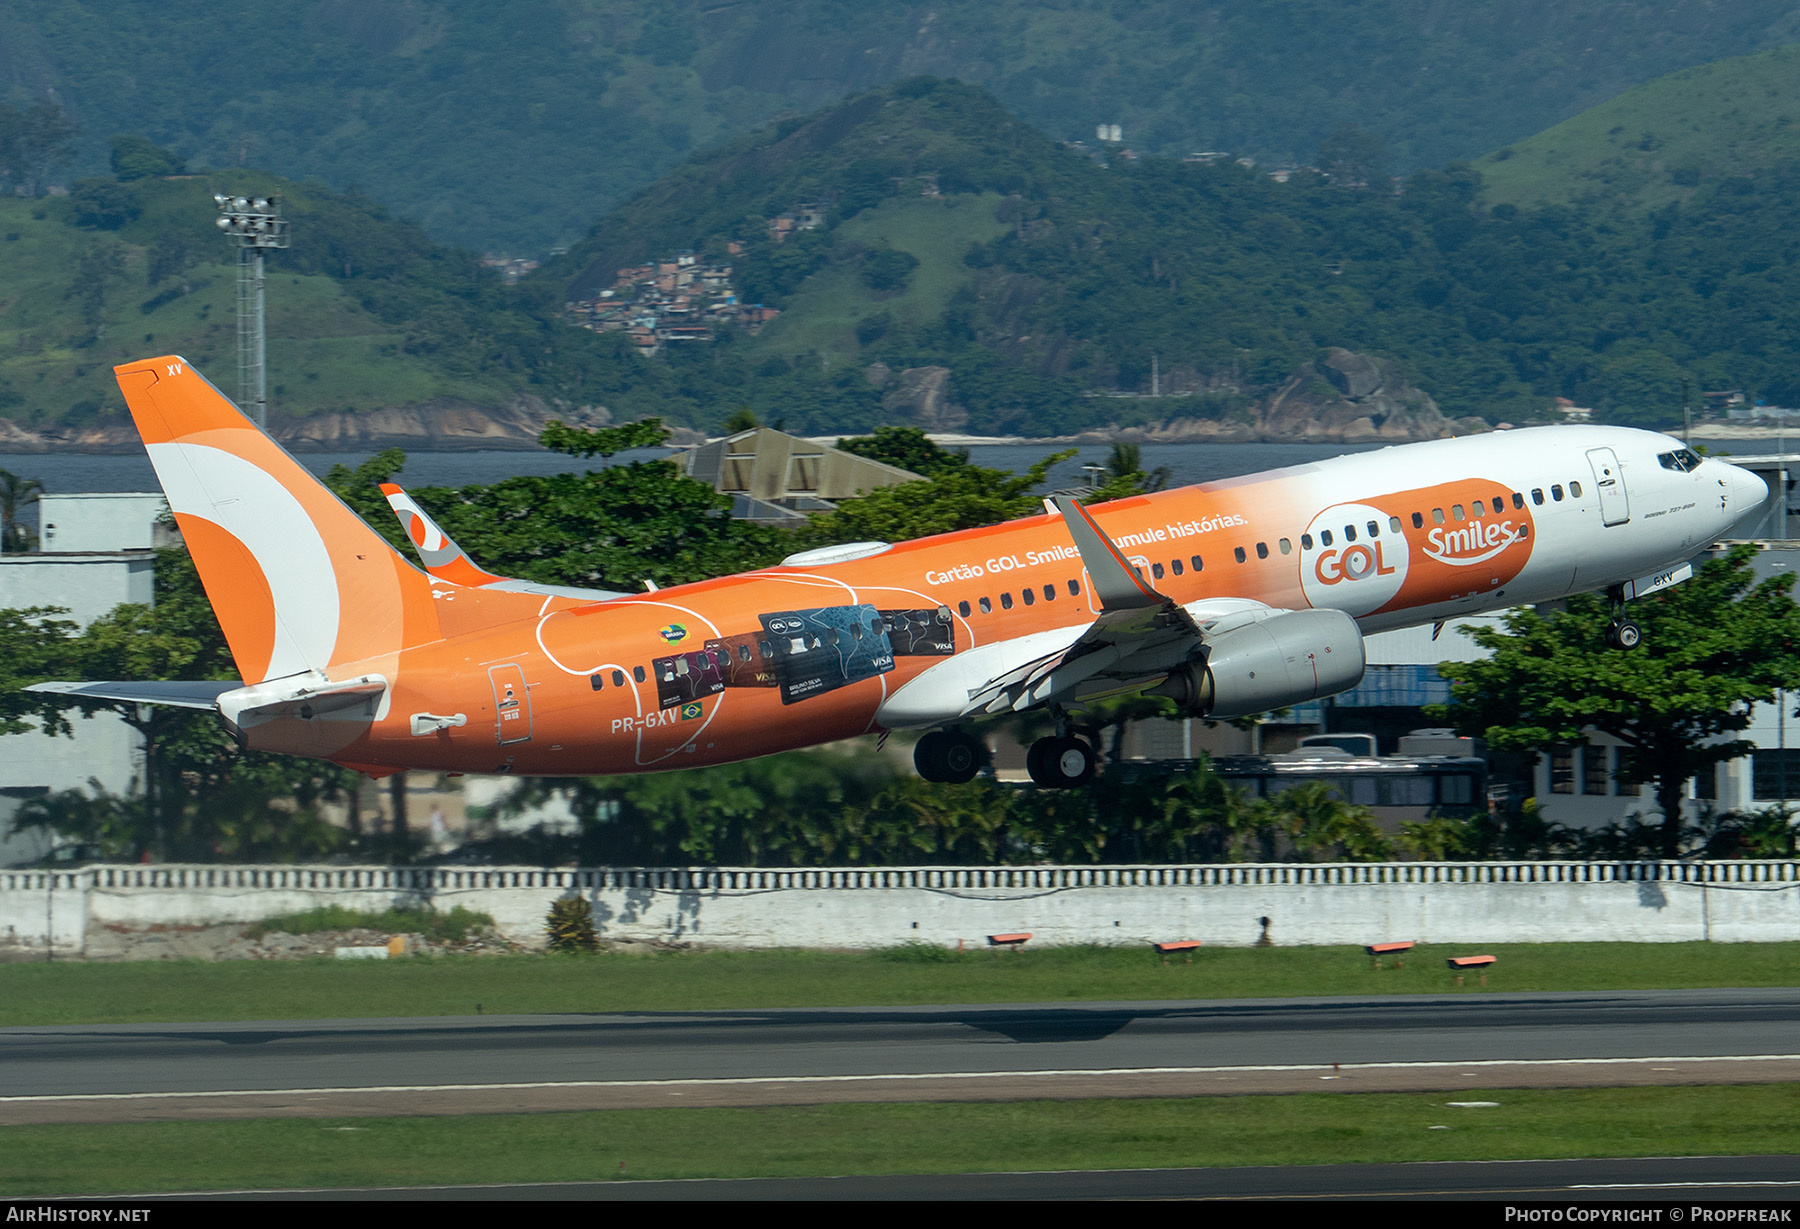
(458,1065)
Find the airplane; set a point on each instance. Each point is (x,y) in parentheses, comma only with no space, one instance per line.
(1232,598)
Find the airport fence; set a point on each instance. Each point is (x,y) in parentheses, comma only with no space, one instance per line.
(1230,904)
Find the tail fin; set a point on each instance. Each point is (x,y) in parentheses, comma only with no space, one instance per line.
(297,580)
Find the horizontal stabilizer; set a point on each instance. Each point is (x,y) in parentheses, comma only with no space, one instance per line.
(203,695)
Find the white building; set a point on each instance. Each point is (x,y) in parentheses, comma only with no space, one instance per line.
(97,556)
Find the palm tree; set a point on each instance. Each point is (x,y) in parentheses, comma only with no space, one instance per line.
(15,494)
(1125,466)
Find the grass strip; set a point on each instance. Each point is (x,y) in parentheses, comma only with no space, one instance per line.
(909,1138)
(75,993)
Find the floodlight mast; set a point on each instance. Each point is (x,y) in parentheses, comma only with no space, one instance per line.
(257,225)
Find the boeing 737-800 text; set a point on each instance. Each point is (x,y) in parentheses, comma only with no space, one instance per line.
(1231,597)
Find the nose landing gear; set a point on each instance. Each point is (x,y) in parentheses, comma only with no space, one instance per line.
(1621,633)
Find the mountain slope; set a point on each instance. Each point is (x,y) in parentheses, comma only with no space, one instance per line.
(504,125)
(1660,142)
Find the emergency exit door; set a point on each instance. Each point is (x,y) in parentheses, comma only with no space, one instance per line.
(512,704)
(1615,506)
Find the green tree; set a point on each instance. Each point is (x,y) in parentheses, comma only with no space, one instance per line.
(33,142)
(1321,825)
(908,448)
(136,157)
(16,494)
(1714,647)
(957,497)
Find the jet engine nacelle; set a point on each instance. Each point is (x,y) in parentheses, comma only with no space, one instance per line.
(1277,660)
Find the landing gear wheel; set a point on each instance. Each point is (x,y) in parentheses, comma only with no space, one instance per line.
(1060,763)
(947,757)
(1624,634)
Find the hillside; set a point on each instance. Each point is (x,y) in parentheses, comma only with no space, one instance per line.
(1662,142)
(508,126)
(359,314)
(929,259)
(1210,281)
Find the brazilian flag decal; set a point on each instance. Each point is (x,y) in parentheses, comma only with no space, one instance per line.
(690,712)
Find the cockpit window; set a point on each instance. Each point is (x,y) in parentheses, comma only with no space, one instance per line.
(1681,461)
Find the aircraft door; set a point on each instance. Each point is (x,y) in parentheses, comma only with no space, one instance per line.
(1615,505)
(512,704)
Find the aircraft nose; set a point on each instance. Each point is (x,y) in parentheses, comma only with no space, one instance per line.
(1748,495)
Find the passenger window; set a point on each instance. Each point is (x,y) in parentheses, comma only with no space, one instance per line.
(962,608)
(1537,495)
(681,666)
(1349,533)
(1049,593)
(1374,529)
(596,681)
(1437,516)
(743,652)
(1306,541)
(1074,588)
(1575,489)
(1156,570)
(1006,601)
(1287,547)
(1394,523)
(1418,520)
(1456,512)
(1030,597)
(1239,552)
(768,651)
(637,672)
(1499,504)
(1195,560)
(1262,550)
(1175,565)
(618,678)
(1325,537)
(1556,491)
(1518,500)
(987,607)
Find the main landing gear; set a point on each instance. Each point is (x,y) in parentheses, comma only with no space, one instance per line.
(948,757)
(1060,762)
(1621,633)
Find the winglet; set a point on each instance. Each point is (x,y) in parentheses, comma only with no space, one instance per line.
(442,557)
(1115,580)
(450,563)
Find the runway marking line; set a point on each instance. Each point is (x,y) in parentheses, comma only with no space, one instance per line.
(747,1081)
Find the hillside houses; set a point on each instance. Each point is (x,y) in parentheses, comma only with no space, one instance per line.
(677,301)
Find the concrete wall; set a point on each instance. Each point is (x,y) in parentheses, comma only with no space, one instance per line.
(86,585)
(1480,902)
(99,521)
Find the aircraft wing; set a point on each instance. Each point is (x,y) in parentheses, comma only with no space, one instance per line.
(1139,634)
(450,563)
